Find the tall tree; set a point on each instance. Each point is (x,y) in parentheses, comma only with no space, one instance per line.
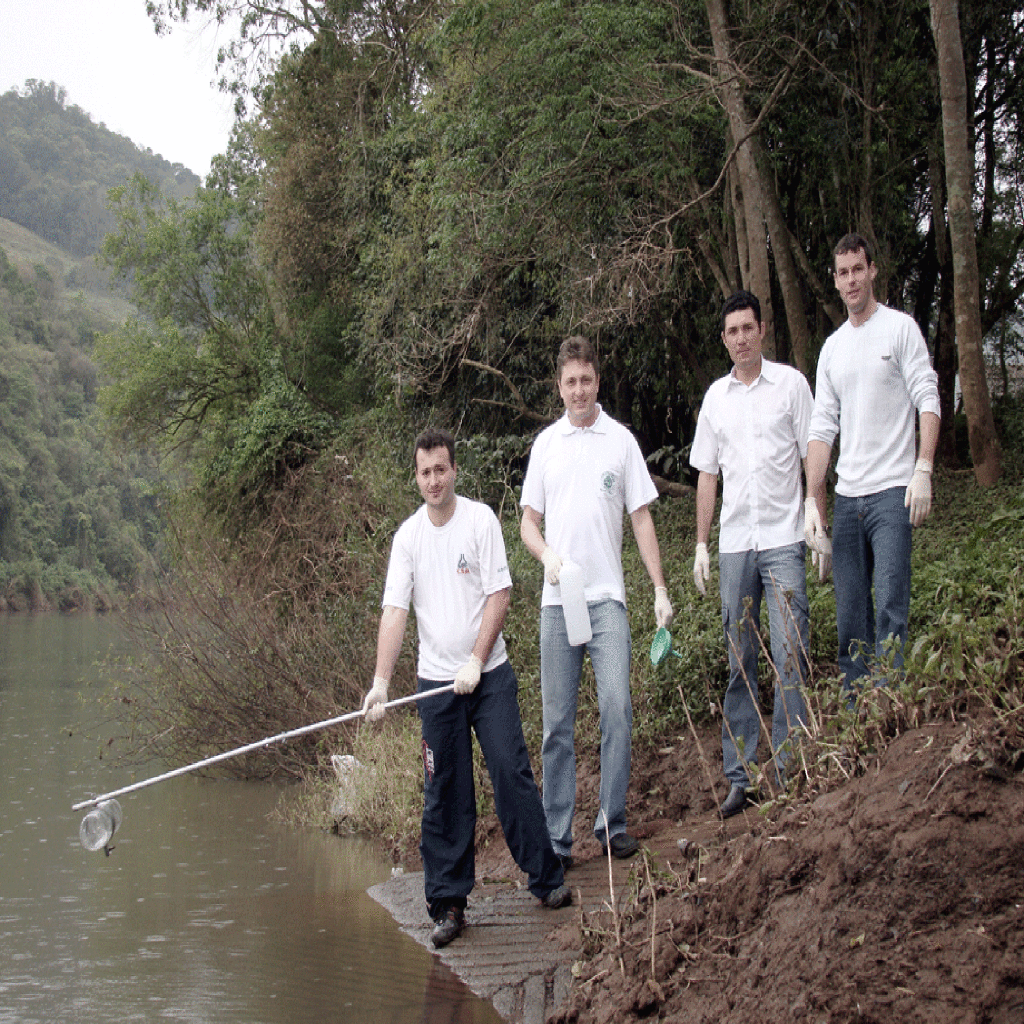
(749,200)
(956,116)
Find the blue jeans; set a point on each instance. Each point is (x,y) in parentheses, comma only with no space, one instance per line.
(779,575)
(560,667)
(871,541)
(449,795)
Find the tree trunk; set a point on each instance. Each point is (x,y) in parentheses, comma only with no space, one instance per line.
(981,429)
(758,280)
(945,326)
(785,265)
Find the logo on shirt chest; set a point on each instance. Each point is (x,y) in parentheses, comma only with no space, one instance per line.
(607,482)
(462,569)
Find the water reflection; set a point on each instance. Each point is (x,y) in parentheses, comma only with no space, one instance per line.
(205,910)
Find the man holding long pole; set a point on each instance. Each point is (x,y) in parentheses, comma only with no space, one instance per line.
(448,561)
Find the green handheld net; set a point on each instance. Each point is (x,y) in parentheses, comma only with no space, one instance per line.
(661,647)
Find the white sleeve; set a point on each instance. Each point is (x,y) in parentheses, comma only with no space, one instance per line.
(639,489)
(494,574)
(921,379)
(825,417)
(704,450)
(803,408)
(400,579)
(533,483)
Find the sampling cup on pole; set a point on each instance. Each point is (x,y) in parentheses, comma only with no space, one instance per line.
(99,825)
(105,816)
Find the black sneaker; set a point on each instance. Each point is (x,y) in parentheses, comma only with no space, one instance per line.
(623,845)
(448,926)
(560,897)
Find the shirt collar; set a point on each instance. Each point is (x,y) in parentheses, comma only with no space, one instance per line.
(767,374)
(599,426)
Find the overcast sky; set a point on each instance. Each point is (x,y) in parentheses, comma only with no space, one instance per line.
(156,90)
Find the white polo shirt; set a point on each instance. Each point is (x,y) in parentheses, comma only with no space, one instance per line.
(447,573)
(871,378)
(581,479)
(756,436)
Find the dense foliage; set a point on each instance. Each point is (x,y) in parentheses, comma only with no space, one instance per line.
(435,193)
(57,165)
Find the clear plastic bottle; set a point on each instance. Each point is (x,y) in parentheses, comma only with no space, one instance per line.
(574,604)
(99,825)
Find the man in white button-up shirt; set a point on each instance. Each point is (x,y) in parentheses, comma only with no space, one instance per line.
(873,375)
(752,429)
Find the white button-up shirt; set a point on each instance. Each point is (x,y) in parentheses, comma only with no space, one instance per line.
(756,436)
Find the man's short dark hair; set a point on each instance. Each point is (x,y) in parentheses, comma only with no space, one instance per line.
(853,243)
(579,348)
(431,438)
(741,300)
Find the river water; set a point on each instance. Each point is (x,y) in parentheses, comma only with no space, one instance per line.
(205,910)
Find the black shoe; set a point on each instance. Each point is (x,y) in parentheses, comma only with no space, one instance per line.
(560,897)
(448,926)
(737,799)
(623,845)
(565,859)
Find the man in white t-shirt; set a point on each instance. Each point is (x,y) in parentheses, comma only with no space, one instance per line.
(448,561)
(585,470)
(873,375)
(752,428)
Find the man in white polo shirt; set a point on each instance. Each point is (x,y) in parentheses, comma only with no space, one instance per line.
(448,562)
(585,470)
(873,374)
(752,428)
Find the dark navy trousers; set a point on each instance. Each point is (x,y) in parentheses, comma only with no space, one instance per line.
(449,795)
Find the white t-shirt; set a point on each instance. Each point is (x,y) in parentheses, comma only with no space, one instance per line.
(756,436)
(447,573)
(870,380)
(580,479)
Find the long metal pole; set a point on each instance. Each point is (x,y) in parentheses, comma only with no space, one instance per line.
(270,740)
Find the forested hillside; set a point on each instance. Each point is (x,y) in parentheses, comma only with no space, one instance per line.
(78,515)
(57,166)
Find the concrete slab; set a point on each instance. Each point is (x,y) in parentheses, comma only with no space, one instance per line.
(513,952)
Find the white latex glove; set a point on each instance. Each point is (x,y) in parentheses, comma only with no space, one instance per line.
(814,529)
(701,569)
(373,705)
(919,493)
(468,676)
(822,560)
(663,613)
(552,566)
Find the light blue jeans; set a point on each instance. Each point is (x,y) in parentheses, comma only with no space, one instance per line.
(560,668)
(780,576)
(871,542)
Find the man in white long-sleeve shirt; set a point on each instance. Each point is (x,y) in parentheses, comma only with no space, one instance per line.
(873,375)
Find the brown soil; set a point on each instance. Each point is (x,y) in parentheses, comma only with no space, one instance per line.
(896,898)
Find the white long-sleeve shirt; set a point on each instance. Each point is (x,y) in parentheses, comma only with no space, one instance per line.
(871,379)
